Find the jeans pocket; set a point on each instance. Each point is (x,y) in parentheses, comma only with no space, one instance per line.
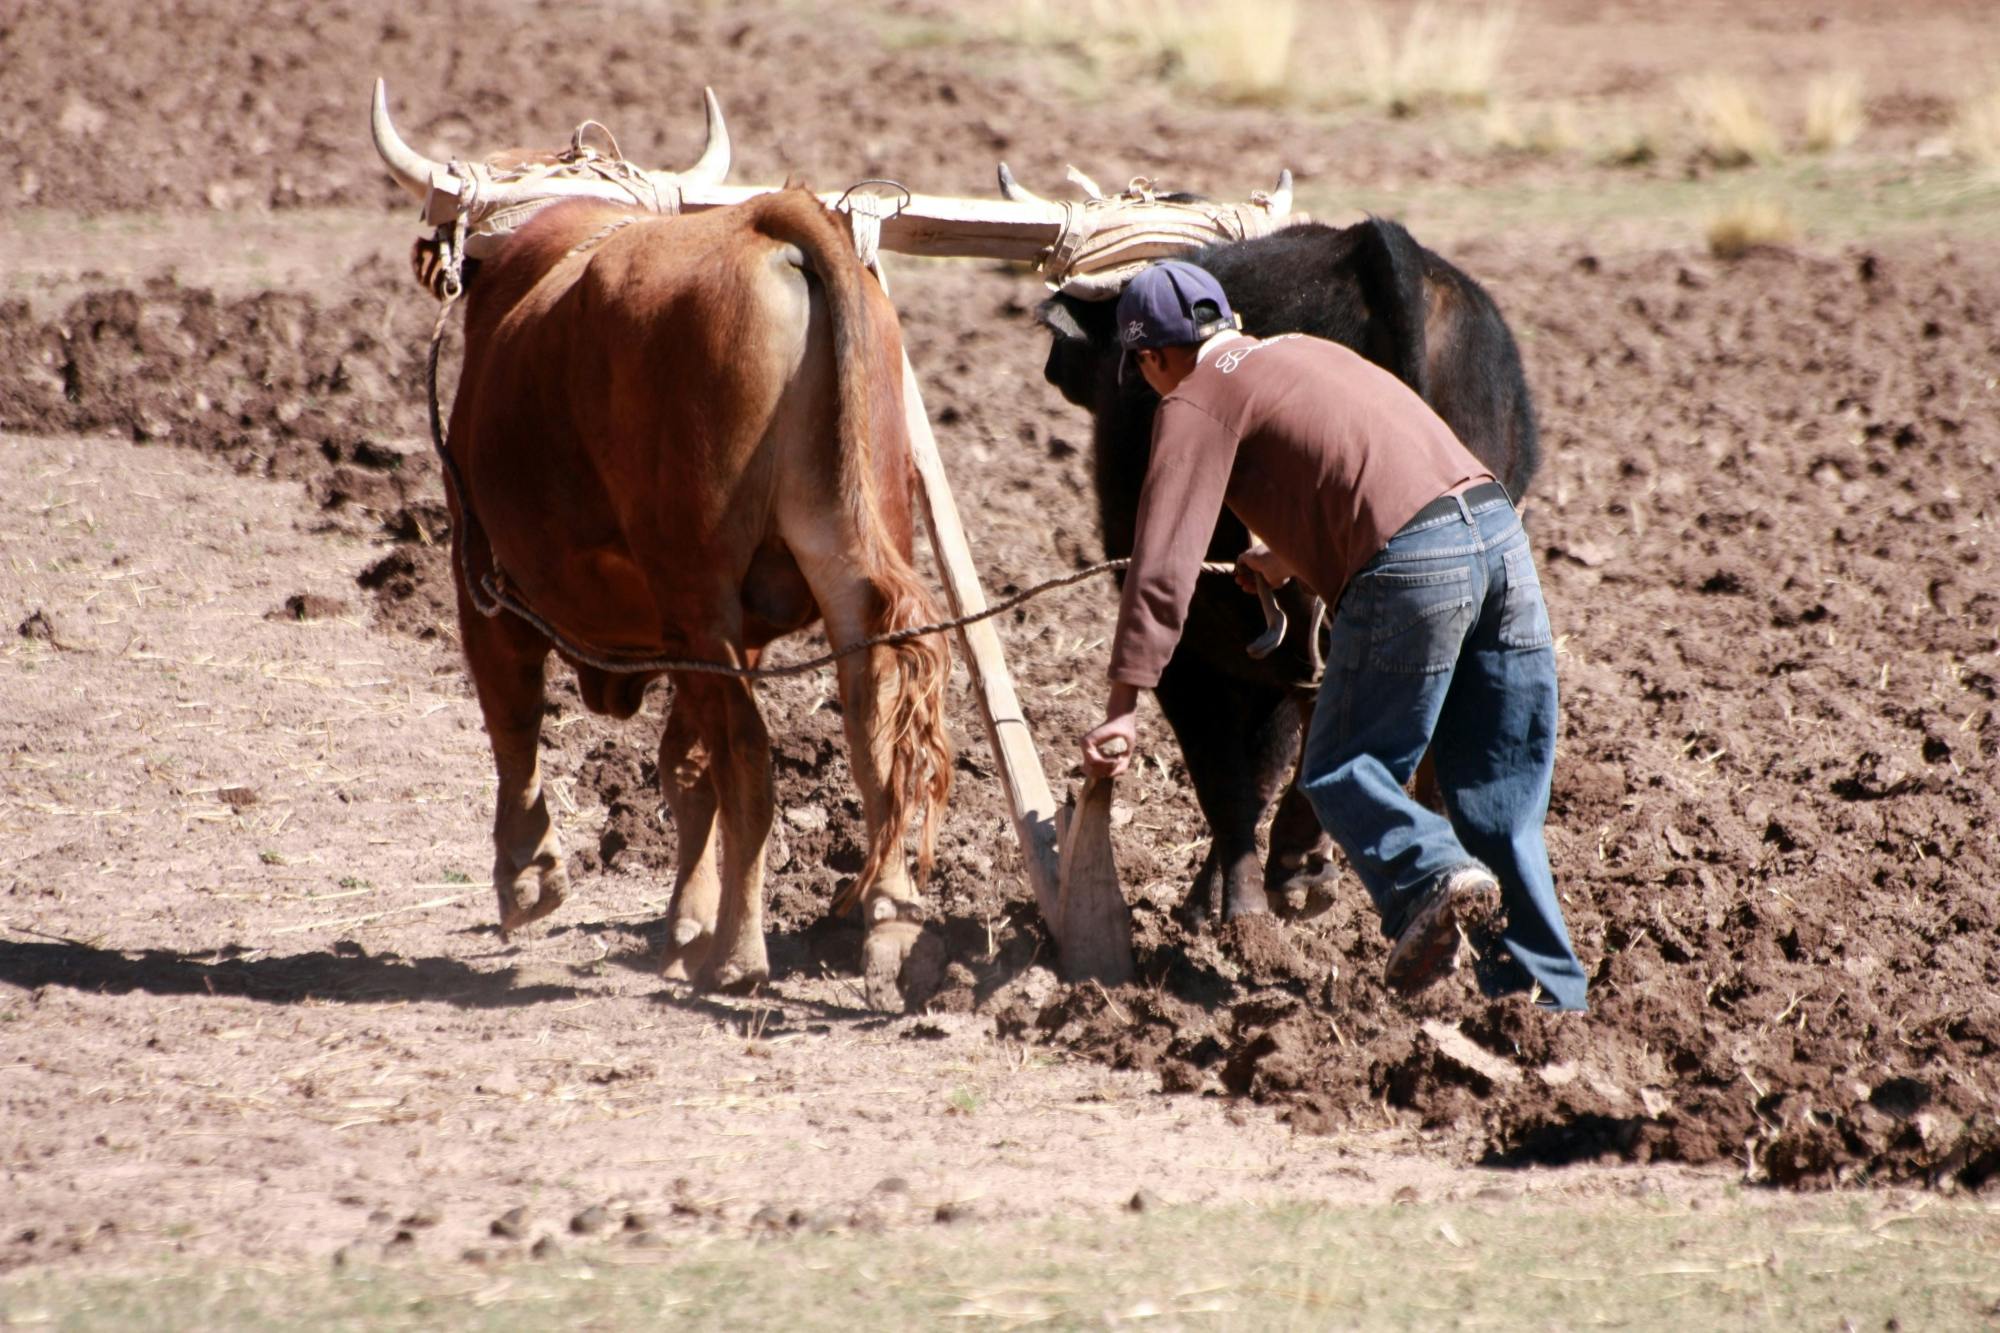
(1418,621)
(1524,616)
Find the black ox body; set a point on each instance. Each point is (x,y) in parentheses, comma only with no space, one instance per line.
(1370,287)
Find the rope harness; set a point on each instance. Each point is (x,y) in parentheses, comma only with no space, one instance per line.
(1106,239)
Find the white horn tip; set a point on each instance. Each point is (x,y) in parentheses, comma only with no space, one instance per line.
(1281,198)
(713,165)
(412,170)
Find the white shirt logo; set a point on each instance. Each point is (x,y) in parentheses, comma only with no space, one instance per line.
(1228,361)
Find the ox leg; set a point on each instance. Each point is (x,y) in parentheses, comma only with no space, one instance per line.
(507,659)
(1221,726)
(732,728)
(901,963)
(687,781)
(1298,872)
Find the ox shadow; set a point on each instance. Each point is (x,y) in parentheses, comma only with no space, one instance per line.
(344,974)
(821,952)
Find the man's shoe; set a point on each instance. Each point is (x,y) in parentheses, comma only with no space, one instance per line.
(1427,949)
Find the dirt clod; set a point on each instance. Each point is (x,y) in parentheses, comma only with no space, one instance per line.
(309,606)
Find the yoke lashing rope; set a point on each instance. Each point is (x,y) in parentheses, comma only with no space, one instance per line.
(490,594)
(490,221)
(1108,238)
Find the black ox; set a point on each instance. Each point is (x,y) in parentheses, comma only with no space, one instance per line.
(1239,721)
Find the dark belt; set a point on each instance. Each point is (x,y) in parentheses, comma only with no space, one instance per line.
(1446,506)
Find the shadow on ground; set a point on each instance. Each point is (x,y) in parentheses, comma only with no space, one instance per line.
(345,973)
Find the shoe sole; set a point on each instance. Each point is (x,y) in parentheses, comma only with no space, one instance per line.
(1427,950)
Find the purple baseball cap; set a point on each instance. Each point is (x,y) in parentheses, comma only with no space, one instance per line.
(1157,308)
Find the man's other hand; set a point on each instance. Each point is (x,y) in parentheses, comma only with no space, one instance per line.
(1261,562)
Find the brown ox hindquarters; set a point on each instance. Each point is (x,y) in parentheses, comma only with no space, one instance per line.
(685,437)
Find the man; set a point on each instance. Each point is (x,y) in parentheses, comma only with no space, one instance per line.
(1440,639)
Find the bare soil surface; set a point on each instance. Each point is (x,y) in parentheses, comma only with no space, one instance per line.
(251,1000)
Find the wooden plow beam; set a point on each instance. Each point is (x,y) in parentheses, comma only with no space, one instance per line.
(1068,859)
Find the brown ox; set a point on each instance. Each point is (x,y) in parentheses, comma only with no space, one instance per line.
(684,437)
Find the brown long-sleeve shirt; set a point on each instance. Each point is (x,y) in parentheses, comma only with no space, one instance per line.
(1319,451)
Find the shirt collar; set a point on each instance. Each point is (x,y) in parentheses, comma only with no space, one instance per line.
(1216,340)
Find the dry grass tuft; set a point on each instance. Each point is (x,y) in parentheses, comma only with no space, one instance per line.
(1548,132)
(1240,51)
(1977,134)
(1734,129)
(1749,224)
(1083,22)
(1629,145)
(1441,55)
(1834,118)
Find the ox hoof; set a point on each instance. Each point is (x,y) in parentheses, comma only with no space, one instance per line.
(687,952)
(1248,900)
(1302,899)
(902,966)
(552,886)
(735,978)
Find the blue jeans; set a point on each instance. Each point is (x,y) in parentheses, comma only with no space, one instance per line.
(1442,641)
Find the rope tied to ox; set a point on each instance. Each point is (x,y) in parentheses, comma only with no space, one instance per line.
(491,596)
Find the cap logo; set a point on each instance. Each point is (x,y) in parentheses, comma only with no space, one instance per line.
(1135,330)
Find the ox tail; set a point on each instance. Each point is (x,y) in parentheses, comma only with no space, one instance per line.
(910,703)
(911,716)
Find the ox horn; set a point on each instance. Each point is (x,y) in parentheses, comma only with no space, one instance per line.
(713,164)
(412,170)
(1016,191)
(1084,183)
(1281,198)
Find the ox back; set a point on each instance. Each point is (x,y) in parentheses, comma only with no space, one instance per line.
(1370,287)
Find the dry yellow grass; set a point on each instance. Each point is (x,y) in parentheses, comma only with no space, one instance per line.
(1625,144)
(1730,118)
(1977,134)
(1089,24)
(1441,54)
(1241,51)
(1438,53)
(1747,224)
(1548,131)
(1834,118)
